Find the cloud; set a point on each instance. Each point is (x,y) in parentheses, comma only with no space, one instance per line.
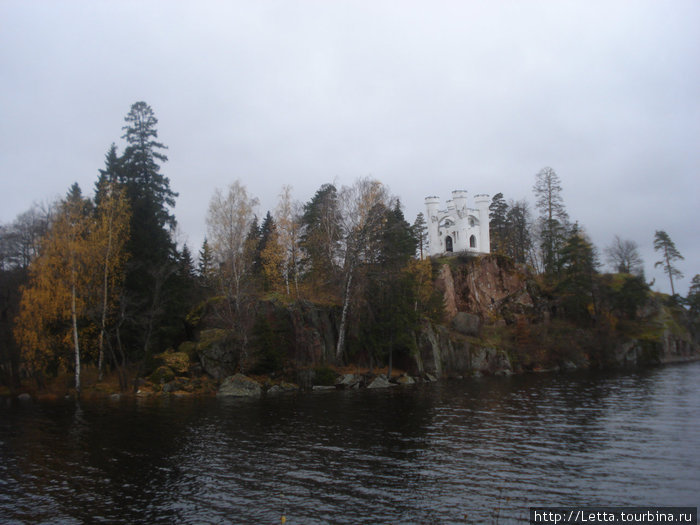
(425,97)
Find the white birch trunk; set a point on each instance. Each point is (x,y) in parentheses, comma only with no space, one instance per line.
(343,319)
(74,317)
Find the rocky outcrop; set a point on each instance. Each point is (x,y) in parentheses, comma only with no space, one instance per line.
(467,324)
(490,287)
(239,386)
(217,353)
(380,382)
(442,353)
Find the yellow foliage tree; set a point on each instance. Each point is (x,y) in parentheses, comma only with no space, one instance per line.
(272,262)
(54,299)
(80,262)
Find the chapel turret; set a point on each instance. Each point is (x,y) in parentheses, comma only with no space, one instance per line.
(458,228)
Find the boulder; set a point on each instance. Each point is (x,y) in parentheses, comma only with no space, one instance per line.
(317,388)
(217,353)
(162,375)
(282,388)
(24,397)
(239,386)
(467,324)
(380,382)
(405,380)
(347,380)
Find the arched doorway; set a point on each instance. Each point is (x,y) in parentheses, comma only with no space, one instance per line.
(472,241)
(448,244)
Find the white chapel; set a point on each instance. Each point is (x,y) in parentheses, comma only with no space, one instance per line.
(458,228)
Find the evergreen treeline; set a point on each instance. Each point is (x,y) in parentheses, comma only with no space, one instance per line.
(99,279)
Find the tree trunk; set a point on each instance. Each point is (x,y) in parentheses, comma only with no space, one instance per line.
(75,337)
(343,319)
(668,268)
(100,360)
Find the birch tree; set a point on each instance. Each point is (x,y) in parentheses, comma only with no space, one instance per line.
(287,215)
(58,290)
(229,220)
(110,237)
(363,206)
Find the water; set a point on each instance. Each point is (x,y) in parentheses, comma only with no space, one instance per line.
(471,451)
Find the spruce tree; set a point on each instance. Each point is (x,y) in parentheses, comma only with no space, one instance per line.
(154,259)
(420,233)
(321,235)
(498,223)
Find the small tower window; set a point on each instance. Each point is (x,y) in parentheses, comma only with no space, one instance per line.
(448,244)
(472,241)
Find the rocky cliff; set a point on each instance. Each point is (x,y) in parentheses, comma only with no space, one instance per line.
(497,321)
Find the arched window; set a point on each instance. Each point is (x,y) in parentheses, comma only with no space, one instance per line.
(472,241)
(448,244)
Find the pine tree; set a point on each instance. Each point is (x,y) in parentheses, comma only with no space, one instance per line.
(669,253)
(553,217)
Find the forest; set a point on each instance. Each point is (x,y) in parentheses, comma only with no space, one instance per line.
(98,283)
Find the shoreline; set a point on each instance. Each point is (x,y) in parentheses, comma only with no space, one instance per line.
(272,388)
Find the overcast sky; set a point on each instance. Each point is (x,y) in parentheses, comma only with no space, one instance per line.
(426,97)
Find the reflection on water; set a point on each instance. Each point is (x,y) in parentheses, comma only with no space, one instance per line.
(455,452)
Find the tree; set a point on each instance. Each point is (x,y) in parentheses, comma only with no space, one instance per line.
(111,235)
(205,267)
(230,219)
(553,217)
(154,256)
(61,282)
(20,241)
(579,264)
(363,215)
(669,253)
(498,223)
(518,240)
(623,256)
(268,256)
(693,298)
(287,215)
(420,233)
(321,236)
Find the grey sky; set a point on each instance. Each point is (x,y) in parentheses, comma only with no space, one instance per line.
(427,97)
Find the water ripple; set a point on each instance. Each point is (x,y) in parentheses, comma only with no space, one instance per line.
(456,452)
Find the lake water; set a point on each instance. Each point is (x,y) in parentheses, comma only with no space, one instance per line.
(463,451)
